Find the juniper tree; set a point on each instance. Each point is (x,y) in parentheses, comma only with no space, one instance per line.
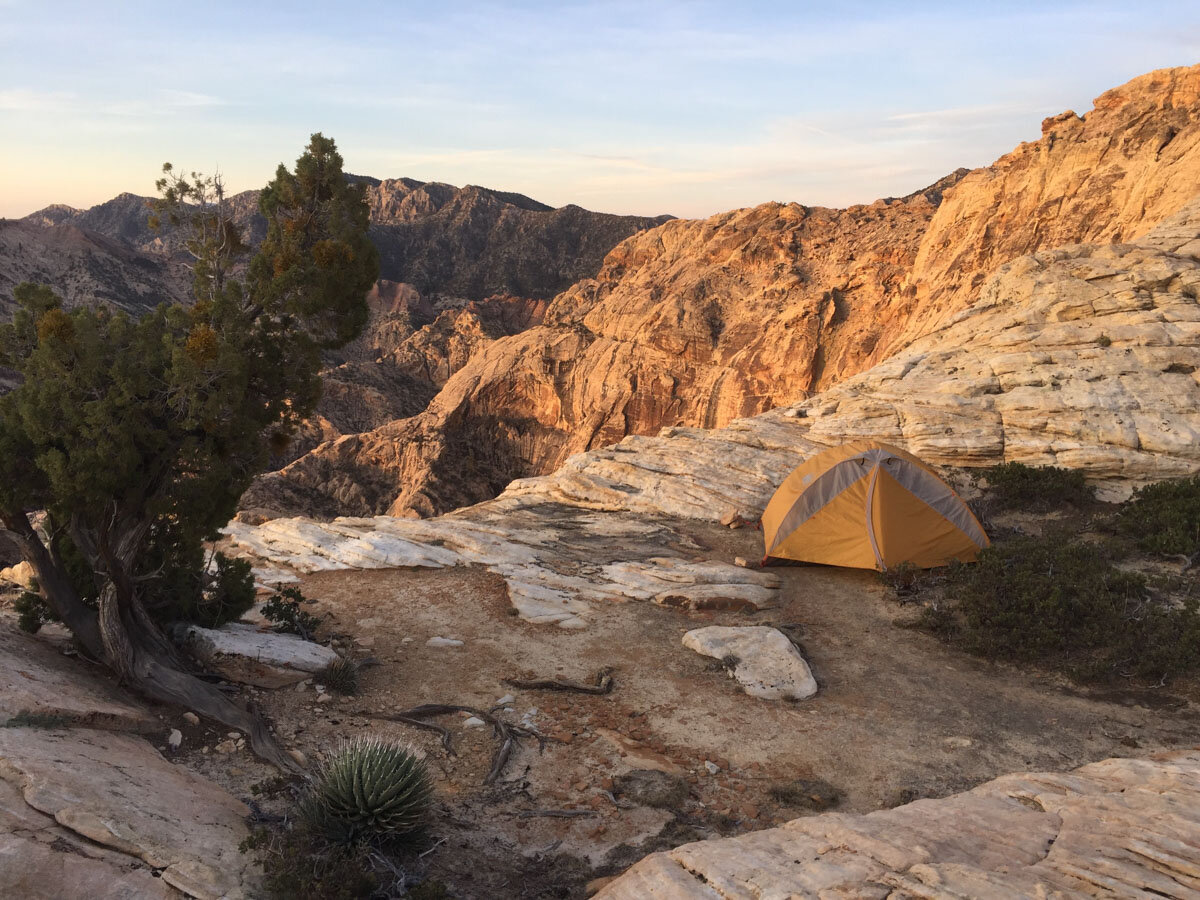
(137,436)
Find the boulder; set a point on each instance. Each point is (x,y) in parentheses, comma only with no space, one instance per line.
(248,655)
(761,658)
(21,575)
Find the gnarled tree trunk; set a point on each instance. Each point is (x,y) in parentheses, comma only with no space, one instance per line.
(123,636)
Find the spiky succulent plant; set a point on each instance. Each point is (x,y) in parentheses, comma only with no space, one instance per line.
(340,676)
(371,790)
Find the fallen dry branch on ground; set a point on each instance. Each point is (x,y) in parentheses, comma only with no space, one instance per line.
(603,685)
(555,813)
(509,735)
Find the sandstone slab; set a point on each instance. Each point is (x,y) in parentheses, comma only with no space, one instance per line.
(558,559)
(35,870)
(762,659)
(36,680)
(1117,828)
(117,791)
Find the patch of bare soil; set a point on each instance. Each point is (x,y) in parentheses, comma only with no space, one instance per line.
(899,716)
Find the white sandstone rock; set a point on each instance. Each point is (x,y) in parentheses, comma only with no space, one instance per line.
(767,664)
(263,658)
(443,642)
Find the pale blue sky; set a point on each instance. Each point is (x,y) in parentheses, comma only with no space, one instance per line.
(637,107)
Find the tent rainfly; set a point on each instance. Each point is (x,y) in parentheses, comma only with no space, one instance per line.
(869,505)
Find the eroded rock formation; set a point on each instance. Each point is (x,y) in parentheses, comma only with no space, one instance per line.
(700,322)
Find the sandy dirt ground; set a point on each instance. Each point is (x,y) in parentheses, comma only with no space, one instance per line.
(899,716)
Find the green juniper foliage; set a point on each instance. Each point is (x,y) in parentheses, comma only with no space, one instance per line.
(138,436)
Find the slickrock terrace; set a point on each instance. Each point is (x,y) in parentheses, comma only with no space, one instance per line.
(1117,828)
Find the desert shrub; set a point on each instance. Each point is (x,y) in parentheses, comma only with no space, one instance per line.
(805,793)
(1061,602)
(1014,485)
(1164,517)
(297,863)
(370,791)
(1104,340)
(902,578)
(282,610)
(32,611)
(340,676)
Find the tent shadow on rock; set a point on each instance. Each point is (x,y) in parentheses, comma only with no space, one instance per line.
(869,505)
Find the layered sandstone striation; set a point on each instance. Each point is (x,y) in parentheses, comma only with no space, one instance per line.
(1086,357)
(697,323)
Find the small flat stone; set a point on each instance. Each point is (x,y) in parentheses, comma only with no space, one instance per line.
(443,642)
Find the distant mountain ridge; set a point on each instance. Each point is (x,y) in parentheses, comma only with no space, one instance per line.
(466,243)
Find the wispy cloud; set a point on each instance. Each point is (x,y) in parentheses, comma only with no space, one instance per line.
(31,100)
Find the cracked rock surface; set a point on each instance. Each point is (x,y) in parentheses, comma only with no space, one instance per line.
(1121,827)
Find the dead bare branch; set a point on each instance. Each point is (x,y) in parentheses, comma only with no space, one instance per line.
(603,685)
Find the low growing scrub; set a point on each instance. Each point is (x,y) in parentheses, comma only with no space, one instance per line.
(1164,517)
(903,579)
(283,610)
(1061,602)
(1016,486)
(297,863)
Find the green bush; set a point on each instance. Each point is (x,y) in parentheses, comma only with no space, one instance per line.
(1016,486)
(32,611)
(371,791)
(1164,517)
(1061,602)
(283,610)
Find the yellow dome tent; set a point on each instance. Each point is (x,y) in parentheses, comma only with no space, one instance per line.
(869,505)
